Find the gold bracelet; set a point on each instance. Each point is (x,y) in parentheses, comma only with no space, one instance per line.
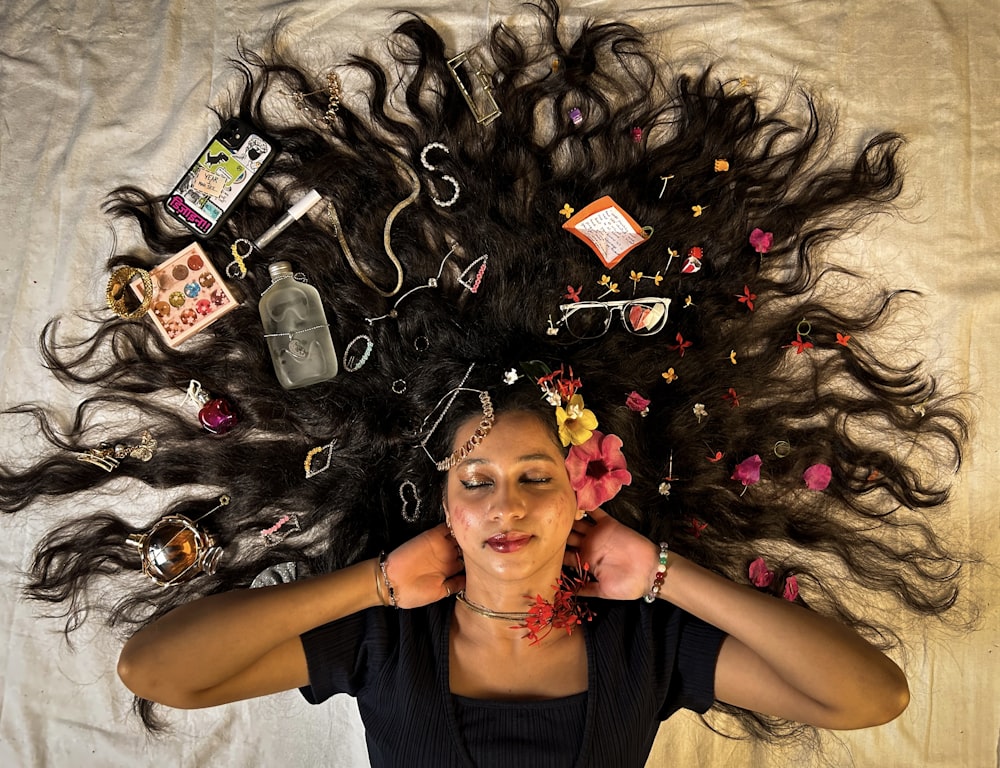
(118,286)
(378,586)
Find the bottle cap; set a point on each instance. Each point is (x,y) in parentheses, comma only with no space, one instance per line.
(279,269)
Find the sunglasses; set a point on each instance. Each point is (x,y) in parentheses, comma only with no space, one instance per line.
(590,319)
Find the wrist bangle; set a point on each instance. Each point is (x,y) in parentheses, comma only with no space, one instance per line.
(661,574)
(378,587)
(382,559)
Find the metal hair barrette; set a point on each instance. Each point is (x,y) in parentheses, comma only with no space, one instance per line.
(489,110)
(108,456)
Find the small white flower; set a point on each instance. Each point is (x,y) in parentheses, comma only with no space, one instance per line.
(511,376)
(700,411)
(664,489)
(552,331)
(553,398)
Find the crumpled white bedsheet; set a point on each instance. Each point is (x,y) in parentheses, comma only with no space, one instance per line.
(98,93)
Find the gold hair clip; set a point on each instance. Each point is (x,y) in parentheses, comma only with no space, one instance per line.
(491,110)
(333,92)
(108,457)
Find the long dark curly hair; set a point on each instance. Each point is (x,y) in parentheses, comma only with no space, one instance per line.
(768,351)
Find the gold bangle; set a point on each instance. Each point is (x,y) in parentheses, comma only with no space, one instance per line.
(118,286)
(378,586)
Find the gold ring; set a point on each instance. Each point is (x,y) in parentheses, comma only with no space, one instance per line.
(118,286)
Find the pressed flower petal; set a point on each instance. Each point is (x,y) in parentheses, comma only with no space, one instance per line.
(760,574)
(817,477)
(748,470)
(791,588)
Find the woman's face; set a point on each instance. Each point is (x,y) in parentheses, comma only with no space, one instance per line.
(510,502)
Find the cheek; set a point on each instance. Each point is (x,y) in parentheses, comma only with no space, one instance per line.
(462,519)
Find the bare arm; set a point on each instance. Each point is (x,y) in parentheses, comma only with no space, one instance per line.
(779,659)
(243,644)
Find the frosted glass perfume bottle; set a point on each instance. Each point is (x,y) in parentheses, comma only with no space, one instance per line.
(296,331)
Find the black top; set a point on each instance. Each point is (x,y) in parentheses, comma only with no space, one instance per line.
(644,662)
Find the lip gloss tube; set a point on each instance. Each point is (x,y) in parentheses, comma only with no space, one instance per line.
(292,215)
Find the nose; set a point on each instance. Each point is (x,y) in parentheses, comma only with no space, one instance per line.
(508,502)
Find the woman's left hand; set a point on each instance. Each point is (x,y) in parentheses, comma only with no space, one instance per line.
(622,562)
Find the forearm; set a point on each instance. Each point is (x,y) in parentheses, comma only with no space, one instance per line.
(210,641)
(835,678)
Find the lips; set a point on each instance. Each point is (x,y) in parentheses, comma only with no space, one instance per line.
(508,542)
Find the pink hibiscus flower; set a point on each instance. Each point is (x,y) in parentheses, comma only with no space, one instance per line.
(597,470)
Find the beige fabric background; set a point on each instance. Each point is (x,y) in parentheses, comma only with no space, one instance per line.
(96,93)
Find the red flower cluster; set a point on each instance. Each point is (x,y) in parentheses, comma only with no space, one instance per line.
(564,612)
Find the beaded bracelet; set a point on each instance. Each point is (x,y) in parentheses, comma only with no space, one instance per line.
(388,584)
(661,574)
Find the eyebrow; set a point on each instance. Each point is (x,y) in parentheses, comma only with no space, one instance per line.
(520,459)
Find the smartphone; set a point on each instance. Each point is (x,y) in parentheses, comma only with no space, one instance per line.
(221,177)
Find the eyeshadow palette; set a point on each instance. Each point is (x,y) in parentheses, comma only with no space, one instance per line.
(190,295)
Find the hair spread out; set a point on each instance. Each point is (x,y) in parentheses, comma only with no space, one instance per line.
(865,550)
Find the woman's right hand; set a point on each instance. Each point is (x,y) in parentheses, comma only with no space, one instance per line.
(425,569)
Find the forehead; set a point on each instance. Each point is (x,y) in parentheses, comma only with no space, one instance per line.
(514,433)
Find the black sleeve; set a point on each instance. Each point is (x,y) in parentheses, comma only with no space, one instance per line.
(346,655)
(692,684)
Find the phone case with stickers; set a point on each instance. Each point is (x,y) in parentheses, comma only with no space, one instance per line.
(220,178)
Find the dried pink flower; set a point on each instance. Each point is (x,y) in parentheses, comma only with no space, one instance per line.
(760,574)
(817,477)
(791,588)
(636,402)
(748,470)
(761,240)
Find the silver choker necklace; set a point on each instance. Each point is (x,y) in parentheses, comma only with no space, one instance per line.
(483,611)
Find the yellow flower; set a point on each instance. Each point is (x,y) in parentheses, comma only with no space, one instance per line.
(732,356)
(721,166)
(669,375)
(698,209)
(688,302)
(657,279)
(635,277)
(567,210)
(576,423)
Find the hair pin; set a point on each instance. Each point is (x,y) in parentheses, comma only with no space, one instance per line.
(490,110)
(414,515)
(334,92)
(480,271)
(326,451)
(283,526)
(446,177)
(108,457)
